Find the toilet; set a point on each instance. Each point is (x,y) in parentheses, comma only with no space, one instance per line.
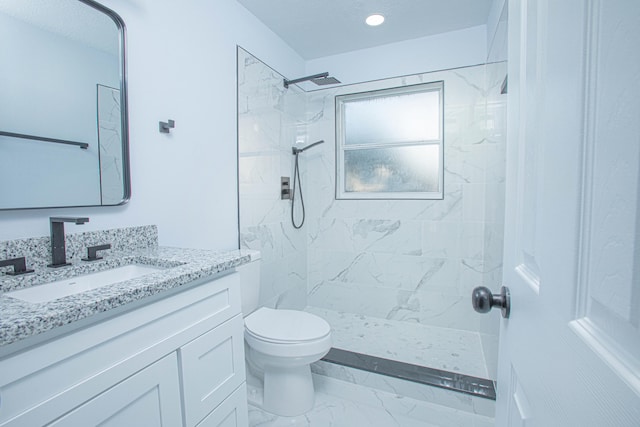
(280,346)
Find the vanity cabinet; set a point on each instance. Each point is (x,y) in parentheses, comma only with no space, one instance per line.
(174,361)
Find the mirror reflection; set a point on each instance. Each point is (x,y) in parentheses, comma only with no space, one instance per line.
(63,138)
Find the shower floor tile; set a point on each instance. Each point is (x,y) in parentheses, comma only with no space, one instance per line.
(441,348)
(341,404)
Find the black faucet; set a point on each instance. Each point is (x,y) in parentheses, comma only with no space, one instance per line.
(19,266)
(58,249)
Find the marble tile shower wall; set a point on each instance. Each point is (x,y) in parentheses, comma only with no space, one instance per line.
(270,118)
(415,261)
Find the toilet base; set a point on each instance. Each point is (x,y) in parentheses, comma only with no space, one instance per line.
(255,386)
(288,392)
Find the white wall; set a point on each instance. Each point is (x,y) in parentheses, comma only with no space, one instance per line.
(440,52)
(181,66)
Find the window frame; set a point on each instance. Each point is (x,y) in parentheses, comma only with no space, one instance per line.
(341,146)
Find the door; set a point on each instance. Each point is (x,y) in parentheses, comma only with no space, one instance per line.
(570,351)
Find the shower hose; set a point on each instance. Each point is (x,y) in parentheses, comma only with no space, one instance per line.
(296,176)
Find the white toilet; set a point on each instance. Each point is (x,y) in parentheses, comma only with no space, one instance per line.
(280,345)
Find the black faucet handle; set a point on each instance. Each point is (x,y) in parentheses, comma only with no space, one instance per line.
(92,252)
(19,266)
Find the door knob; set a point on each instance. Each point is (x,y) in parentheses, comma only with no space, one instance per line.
(483,300)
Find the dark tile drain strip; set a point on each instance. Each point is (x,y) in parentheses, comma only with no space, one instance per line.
(467,384)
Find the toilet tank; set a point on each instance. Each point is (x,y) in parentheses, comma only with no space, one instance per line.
(249,286)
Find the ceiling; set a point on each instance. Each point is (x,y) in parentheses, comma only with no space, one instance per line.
(318,28)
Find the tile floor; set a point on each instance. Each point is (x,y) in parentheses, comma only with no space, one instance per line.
(342,404)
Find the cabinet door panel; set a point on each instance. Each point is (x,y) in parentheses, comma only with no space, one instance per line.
(149,398)
(233,412)
(212,367)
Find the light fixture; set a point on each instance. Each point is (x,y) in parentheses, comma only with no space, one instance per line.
(374,20)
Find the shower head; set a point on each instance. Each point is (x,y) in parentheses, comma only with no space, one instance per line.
(319,79)
(297,150)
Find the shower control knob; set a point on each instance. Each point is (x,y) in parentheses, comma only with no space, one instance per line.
(483,300)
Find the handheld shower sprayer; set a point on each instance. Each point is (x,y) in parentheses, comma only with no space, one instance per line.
(296,175)
(297,150)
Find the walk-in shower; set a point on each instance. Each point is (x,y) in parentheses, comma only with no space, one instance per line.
(296,177)
(393,277)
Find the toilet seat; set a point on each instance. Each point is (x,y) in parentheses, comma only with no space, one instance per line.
(287,334)
(285,326)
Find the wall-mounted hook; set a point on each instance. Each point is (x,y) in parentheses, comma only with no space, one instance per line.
(165,127)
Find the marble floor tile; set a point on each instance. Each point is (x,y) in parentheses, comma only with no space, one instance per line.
(447,349)
(341,404)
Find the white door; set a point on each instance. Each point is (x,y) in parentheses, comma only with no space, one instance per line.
(570,352)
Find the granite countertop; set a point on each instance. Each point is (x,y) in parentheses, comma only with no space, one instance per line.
(20,320)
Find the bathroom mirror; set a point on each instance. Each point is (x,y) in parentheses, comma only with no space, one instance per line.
(63,108)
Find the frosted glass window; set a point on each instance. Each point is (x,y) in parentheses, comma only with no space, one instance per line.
(390,144)
(397,169)
(395,118)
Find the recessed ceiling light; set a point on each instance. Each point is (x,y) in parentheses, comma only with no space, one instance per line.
(375,19)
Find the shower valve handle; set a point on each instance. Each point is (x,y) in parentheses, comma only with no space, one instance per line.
(483,300)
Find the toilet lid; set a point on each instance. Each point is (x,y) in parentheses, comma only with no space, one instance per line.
(286,325)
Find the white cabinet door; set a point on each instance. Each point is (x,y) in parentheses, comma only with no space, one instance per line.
(212,367)
(149,398)
(570,352)
(233,412)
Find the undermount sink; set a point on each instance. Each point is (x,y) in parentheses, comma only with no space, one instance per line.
(75,285)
